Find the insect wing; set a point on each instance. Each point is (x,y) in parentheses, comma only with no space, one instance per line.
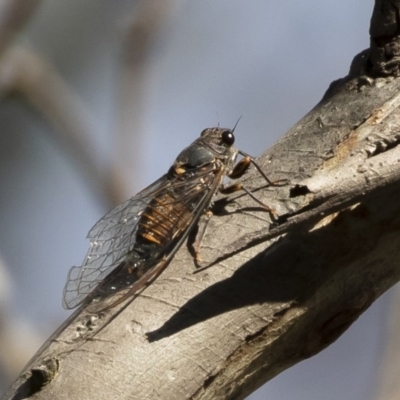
(114,235)
(110,239)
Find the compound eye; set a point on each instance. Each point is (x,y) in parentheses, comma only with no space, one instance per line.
(228,138)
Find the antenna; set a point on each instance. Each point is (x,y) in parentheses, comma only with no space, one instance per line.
(233,130)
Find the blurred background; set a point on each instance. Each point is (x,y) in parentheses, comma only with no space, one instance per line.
(97,99)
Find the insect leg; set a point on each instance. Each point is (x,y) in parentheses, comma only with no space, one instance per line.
(240,168)
(279,182)
(239,186)
(195,239)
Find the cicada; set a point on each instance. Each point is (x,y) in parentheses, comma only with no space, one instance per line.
(134,242)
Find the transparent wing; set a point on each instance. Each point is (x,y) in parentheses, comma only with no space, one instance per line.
(113,236)
(110,239)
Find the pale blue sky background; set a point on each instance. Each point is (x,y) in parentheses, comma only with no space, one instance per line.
(267,61)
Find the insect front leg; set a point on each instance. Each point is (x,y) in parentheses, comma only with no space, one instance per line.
(238,171)
(279,182)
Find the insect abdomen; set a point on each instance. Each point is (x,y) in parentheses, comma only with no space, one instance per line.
(164,219)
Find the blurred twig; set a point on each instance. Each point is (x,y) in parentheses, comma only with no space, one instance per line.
(143,29)
(14,14)
(25,72)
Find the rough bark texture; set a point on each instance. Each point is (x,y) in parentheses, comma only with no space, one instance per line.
(223,332)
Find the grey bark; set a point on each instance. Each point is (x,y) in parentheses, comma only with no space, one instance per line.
(277,293)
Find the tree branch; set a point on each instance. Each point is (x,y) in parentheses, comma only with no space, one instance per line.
(223,332)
